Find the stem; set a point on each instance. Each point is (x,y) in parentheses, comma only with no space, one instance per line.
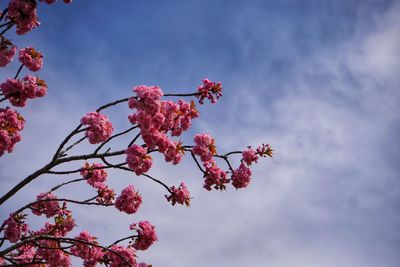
(18,71)
(7,28)
(90,156)
(71,146)
(134,140)
(3,14)
(112,104)
(114,136)
(6,23)
(64,142)
(183,95)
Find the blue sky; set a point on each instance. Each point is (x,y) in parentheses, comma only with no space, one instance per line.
(318,80)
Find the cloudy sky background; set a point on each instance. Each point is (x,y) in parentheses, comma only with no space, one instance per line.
(318,80)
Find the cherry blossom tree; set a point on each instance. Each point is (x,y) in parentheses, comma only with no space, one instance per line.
(156,121)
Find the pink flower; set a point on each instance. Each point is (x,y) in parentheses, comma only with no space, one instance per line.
(15,227)
(7,51)
(143,264)
(265,150)
(241,177)
(18,91)
(123,257)
(249,156)
(210,90)
(204,147)
(146,235)
(94,175)
(50,251)
(137,159)
(25,254)
(157,118)
(64,223)
(31,58)
(23,12)
(214,177)
(11,123)
(174,152)
(129,200)
(90,254)
(105,195)
(179,195)
(100,128)
(49,208)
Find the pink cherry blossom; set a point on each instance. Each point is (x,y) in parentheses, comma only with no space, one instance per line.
(146,235)
(137,159)
(49,208)
(204,147)
(90,254)
(174,152)
(99,127)
(265,150)
(64,223)
(249,156)
(50,251)
(179,195)
(26,254)
(94,175)
(123,257)
(31,58)
(7,51)
(210,90)
(11,123)
(19,91)
(14,227)
(129,200)
(214,177)
(105,195)
(24,14)
(241,177)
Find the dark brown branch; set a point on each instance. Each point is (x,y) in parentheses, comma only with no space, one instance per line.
(134,140)
(65,141)
(183,95)
(3,14)
(7,28)
(91,156)
(112,104)
(18,71)
(82,202)
(26,181)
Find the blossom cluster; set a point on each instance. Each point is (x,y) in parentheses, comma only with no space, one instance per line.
(91,254)
(94,174)
(15,227)
(158,118)
(7,51)
(11,123)
(137,159)
(146,235)
(210,90)
(179,195)
(99,127)
(31,58)
(19,91)
(24,14)
(47,204)
(129,200)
